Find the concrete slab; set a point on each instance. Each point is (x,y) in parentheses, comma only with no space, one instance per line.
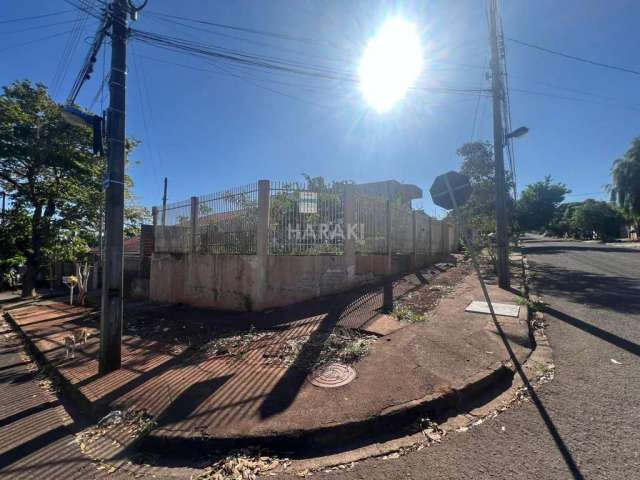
(383,324)
(503,309)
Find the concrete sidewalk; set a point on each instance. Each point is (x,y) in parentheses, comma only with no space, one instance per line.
(220,400)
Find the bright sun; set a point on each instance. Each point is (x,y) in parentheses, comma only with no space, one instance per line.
(391,63)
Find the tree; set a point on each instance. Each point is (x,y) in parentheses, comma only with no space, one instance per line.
(625,187)
(479,165)
(14,240)
(48,168)
(538,203)
(598,218)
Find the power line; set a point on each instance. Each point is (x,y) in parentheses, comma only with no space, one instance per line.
(269,63)
(90,59)
(575,99)
(239,29)
(573,57)
(142,97)
(36,40)
(37,27)
(69,49)
(35,17)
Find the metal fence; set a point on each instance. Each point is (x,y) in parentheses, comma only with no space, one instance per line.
(303,219)
(227,221)
(223,222)
(371,220)
(306,219)
(423,233)
(173,235)
(401,230)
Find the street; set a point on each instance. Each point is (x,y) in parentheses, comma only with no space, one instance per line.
(593,316)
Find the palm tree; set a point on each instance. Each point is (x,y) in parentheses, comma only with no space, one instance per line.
(625,188)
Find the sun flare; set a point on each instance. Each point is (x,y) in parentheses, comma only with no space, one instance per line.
(391,63)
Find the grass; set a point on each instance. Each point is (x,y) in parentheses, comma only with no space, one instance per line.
(403,312)
(534,305)
(355,350)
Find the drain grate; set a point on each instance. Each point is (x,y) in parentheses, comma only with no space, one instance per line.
(332,375)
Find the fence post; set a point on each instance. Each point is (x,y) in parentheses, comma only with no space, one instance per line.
(413,239)
(387,292)
(429,239)
(154,214)
(262,243)
(194,224)
(349,218)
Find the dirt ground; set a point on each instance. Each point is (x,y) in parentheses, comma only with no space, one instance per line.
(210,333)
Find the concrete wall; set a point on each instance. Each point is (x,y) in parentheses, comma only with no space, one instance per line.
(220,281)
(230,281)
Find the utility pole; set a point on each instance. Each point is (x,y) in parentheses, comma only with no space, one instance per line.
(164,202)
(502,238)
(111,313)
(4,196)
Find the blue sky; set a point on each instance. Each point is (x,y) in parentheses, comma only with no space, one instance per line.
(208,131)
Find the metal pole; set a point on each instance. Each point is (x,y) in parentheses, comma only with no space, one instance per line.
(387,290)
(111,313)
(164,203)
(502,239)
(472,252)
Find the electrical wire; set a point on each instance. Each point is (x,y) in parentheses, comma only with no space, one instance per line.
(89,59)
(239,29)
(38,27)
(263,62)
(35,17)
(142,97)
(574,57)
(69,50)
(575,99)
(35,40)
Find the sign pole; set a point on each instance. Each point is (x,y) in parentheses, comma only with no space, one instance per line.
(471,249)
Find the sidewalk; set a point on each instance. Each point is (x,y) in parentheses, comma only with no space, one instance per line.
(36,432)
(227,400)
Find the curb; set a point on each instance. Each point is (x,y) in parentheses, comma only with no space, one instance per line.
(394,419)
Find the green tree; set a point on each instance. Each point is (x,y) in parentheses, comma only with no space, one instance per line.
(14,241)
(538,203)
(49,170)
(625,187)
(479,165)
(598,218)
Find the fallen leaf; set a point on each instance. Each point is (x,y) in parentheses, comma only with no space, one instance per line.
(615,362)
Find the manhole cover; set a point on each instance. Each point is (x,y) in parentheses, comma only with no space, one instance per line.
(332,375)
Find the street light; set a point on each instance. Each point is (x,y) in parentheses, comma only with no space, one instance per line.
(518,132)
(77,117)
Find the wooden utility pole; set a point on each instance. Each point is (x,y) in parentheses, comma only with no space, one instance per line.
(164,203)
(502,238)
(111,313)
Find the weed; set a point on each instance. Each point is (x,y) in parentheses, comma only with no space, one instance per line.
(403,312)
(534,305)
(355,350)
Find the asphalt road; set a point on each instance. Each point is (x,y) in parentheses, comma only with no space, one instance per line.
(593,404)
